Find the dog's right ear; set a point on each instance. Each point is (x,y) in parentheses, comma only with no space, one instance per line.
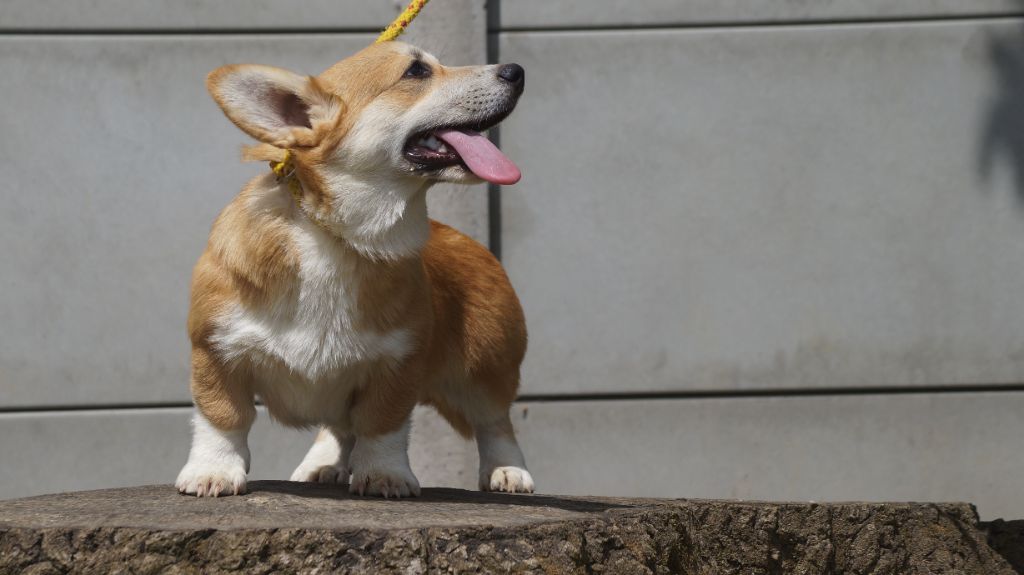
(274,105)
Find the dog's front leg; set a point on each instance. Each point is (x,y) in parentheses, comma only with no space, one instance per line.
(380,457)
(219,459)
(380,465)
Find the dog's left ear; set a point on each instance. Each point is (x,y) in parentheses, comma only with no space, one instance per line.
(274,105)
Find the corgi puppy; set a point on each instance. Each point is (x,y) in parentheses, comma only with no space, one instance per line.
(326,292)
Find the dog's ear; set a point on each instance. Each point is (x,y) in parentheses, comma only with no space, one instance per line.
(274,105)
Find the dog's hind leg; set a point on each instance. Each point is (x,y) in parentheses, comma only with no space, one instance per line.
(502,465)
(481,410)
(327,461)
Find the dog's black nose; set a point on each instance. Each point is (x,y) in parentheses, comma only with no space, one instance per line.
(512,73)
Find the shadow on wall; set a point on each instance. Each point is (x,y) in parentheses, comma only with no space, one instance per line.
(1003,137)
(1003,140)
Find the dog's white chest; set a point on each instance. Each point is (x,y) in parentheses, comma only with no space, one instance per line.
(311,329)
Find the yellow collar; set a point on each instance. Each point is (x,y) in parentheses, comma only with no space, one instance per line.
(285,172)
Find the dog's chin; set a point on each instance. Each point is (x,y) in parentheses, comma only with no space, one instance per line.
(450,174)
(432,159)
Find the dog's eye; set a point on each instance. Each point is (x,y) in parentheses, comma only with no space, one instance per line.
(417,70)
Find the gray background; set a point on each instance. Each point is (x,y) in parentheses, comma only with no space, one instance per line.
(767,249)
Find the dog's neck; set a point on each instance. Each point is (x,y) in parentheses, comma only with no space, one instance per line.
(382,219)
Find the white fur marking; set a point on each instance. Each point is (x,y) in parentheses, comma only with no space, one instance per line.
(510,479)
(326,461)
(312,332)
(502,466)
(380,465)
(378,208)
(217,463)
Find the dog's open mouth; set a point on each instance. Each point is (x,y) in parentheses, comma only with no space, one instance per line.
(446,147)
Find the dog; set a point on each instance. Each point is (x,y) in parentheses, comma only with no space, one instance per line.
(327,292)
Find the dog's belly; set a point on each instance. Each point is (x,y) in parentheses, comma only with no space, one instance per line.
(305,367)
(299,402)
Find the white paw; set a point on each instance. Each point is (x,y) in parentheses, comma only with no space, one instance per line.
(321,474)
(508,479)
(396,482)
(211,480)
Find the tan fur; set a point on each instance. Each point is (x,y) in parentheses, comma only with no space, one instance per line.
(453,298)
(479,326)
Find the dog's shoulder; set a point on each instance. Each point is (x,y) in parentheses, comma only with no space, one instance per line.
(446,243)
(253,236)
(250,254)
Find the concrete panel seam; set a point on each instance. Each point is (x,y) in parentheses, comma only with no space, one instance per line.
(743,24)
(493,9)
(767,393)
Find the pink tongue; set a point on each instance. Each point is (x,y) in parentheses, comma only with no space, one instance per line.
(482,157)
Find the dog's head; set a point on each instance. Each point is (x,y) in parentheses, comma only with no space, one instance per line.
(390,113)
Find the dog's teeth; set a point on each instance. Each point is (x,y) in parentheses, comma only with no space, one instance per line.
(432,143)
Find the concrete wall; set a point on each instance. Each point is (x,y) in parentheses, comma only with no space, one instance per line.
(767,249)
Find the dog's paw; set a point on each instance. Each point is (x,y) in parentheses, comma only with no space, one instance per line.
(396,483)
(209,480)
(508,479)
(322,474)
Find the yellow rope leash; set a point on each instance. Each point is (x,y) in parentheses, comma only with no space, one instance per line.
(395,29)
(285,169)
